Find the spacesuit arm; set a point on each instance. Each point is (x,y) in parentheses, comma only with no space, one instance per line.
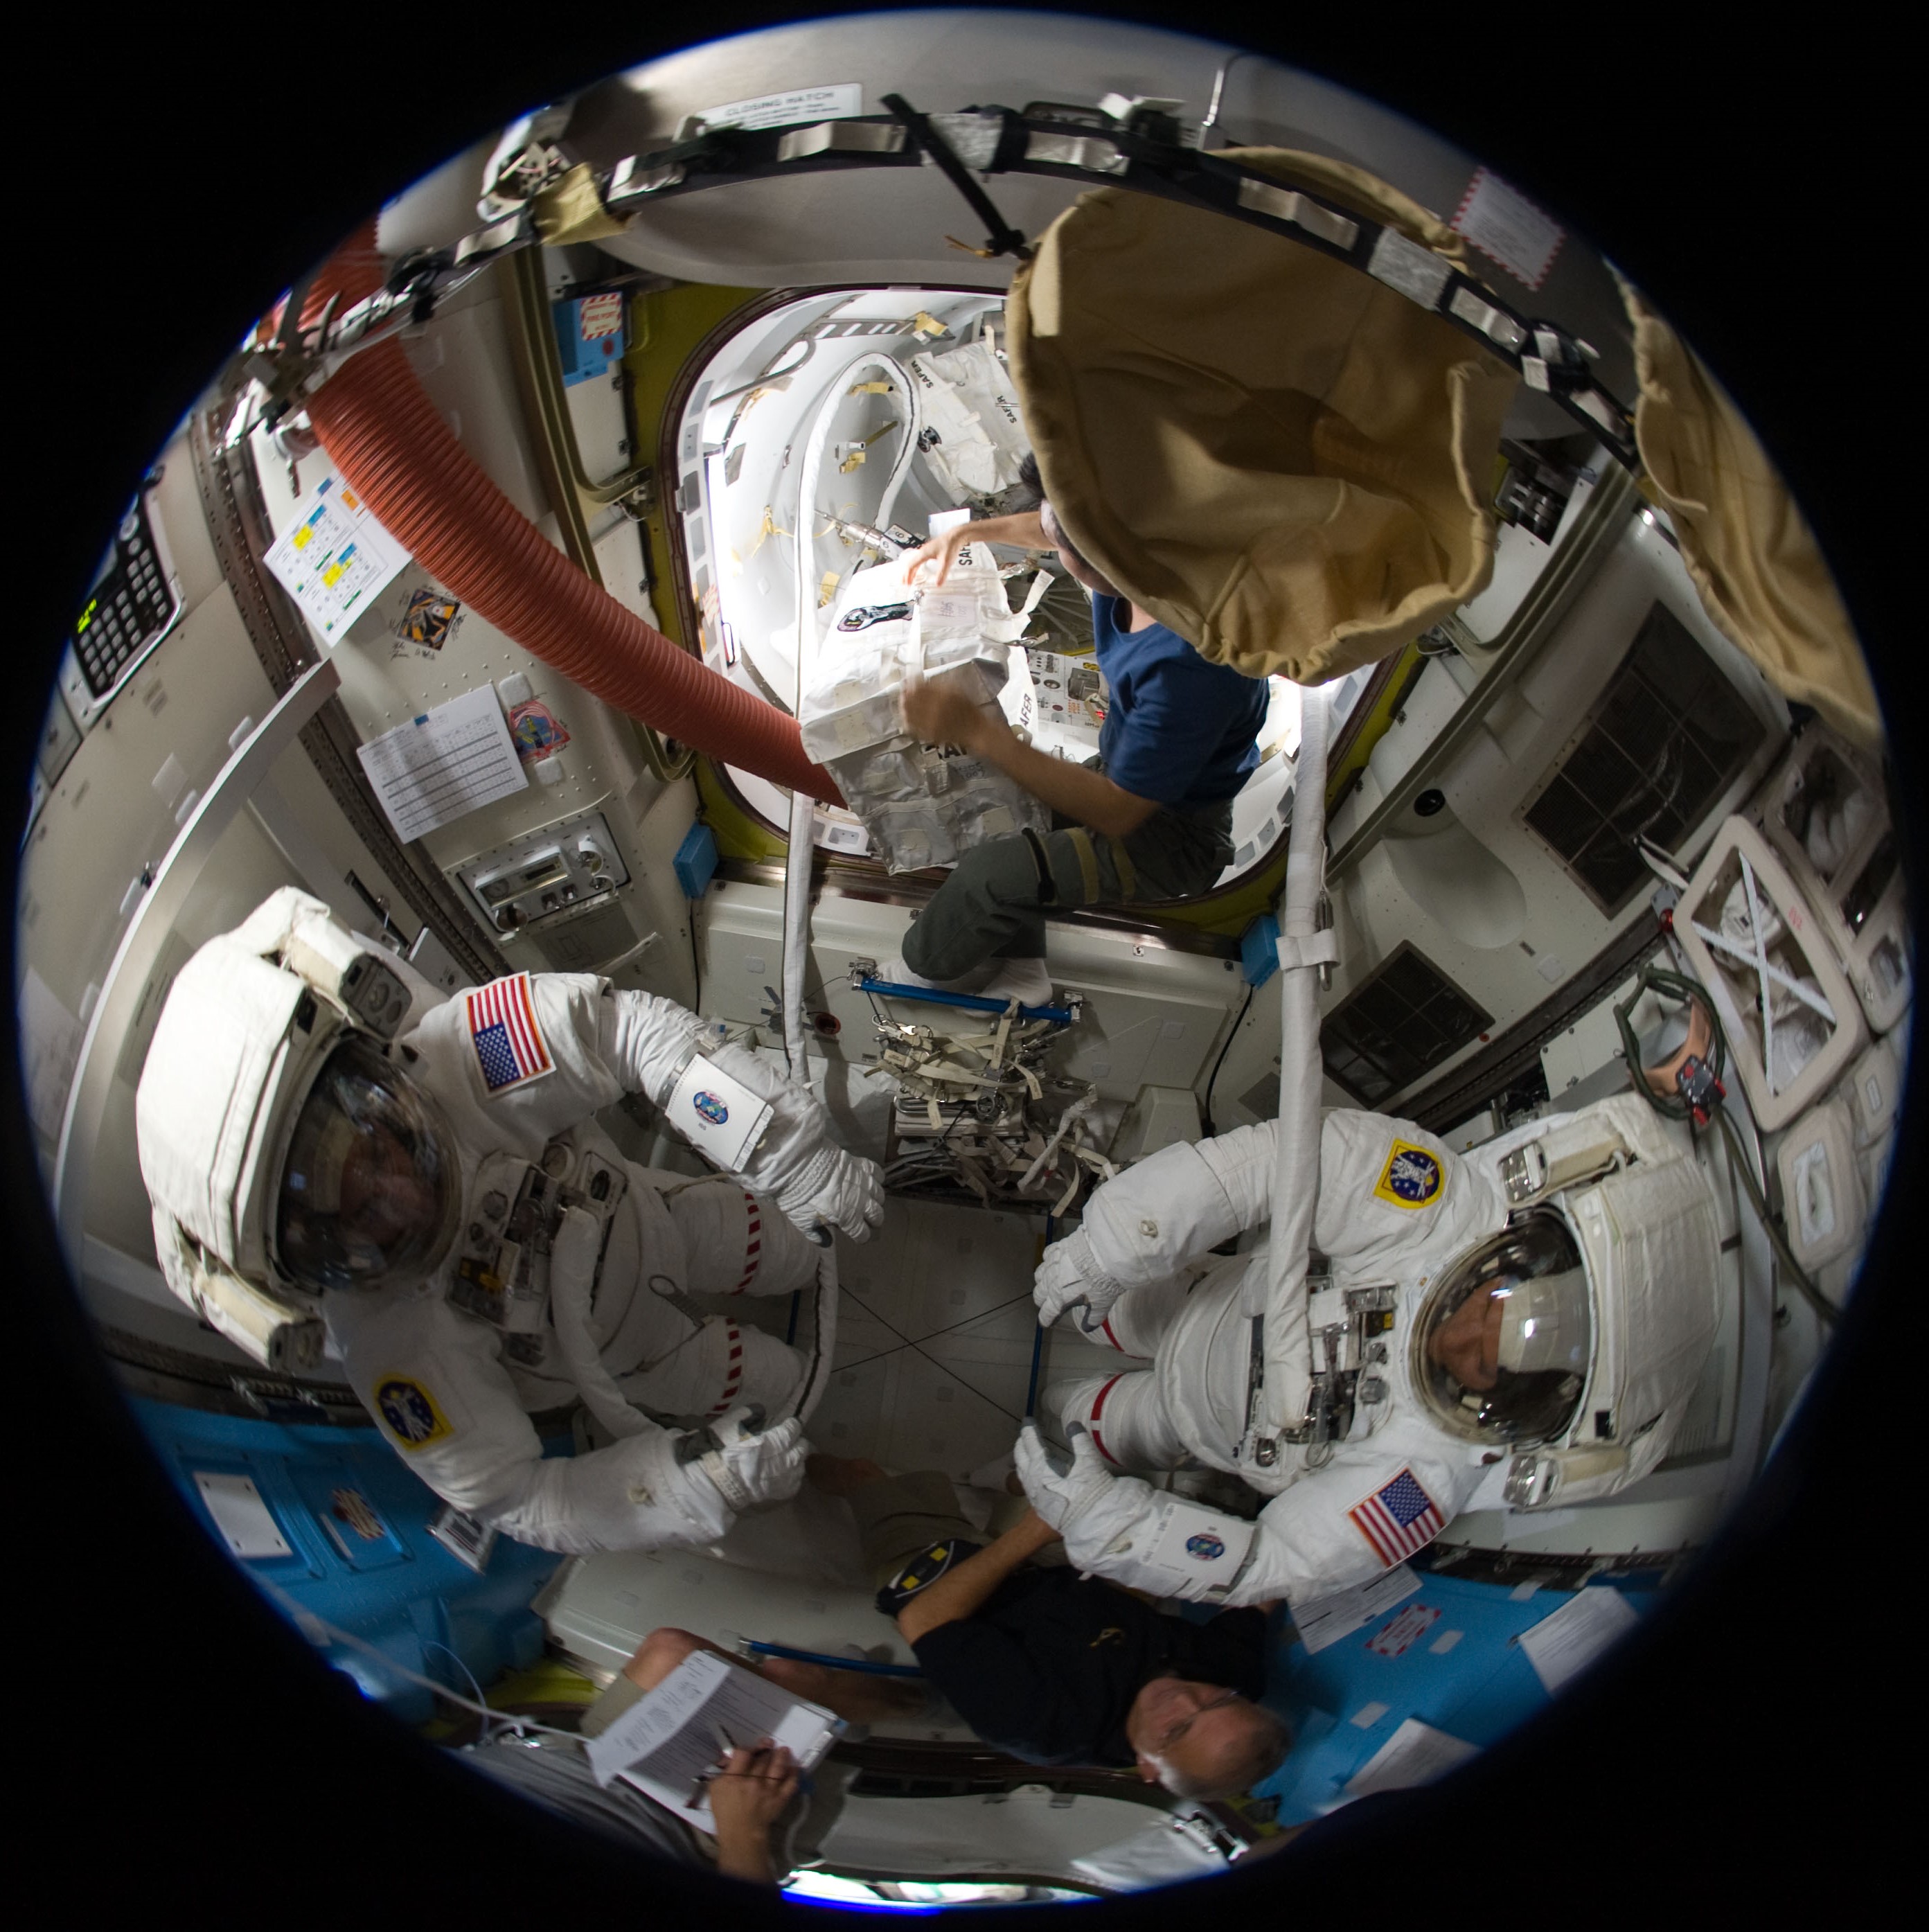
(1342,1526)
(432,1379)
(1142,1226)
(648,1043)
(1363,1513)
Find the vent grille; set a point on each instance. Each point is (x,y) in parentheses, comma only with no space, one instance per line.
(1663,742)
(1397,1026)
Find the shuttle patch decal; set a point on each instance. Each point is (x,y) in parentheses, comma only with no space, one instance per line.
(1412,1177)
(413,1416)
(506,1034)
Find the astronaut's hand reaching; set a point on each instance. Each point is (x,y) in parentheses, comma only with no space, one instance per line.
(1069,1277)
(800,1161)
(754,1466)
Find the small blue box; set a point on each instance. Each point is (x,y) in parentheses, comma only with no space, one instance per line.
(1259,949)
(696,860)
(590,336)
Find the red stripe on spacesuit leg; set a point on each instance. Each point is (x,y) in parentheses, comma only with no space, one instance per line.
(1106,1325)
(733,1376)
(1098,1439)
(753,1243)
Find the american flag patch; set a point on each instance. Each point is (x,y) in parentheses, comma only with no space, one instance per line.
(507,1036)
(1397,1519)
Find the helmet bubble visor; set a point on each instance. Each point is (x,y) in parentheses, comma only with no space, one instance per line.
(369,1195)
(1503,1345)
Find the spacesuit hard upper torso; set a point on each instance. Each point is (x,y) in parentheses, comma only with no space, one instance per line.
(1396,1209)
(453,1382)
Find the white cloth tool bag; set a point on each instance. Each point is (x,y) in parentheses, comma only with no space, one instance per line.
(922,805)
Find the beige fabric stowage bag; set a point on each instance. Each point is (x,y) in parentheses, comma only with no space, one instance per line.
(1281,458)
(1755,564)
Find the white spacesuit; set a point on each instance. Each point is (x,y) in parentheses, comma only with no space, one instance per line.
(320,1131)
(1522,1322)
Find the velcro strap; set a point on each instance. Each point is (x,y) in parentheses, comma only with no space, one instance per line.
(732,1491)
(1316,949)
(923,1570)
(1048,886)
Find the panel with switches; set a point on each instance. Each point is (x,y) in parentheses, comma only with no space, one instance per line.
(543,875)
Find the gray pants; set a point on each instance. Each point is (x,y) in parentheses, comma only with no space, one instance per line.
(993,905)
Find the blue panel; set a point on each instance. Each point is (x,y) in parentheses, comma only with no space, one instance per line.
(696,860)
(356,1518)
(589,337)
(1258,949)
(1476,1686)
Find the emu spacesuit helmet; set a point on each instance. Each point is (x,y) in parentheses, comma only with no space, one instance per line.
(1502,1346)
(279,1140)
(368,1195)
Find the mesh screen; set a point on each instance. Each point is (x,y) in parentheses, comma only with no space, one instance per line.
(1663,742)
(1395,1026)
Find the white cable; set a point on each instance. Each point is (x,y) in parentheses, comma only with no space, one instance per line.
(569,1317)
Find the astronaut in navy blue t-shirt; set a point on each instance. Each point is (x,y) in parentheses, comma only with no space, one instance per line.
(1151,819)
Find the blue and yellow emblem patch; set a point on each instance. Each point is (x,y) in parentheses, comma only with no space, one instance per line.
(1412,1177)
(412,1415)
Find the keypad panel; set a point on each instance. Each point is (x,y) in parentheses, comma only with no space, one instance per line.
(127,610)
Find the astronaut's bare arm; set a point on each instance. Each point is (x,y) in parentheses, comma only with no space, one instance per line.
(960,1592)
(663,1651)
(1026,531)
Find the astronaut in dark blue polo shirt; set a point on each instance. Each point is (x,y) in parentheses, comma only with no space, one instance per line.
(1150,819)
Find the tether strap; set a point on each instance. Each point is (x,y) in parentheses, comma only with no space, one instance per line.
(1000,238)
(1048,886)
(1088,861)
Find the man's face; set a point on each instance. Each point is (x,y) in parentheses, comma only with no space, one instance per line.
(384,1196)
(1467,1344)
(1174,1719)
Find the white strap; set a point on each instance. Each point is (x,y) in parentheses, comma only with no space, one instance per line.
(1316,949)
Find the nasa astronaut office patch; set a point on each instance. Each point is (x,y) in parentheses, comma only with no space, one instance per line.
(412,1415)
(507,1036)
(1412,1177)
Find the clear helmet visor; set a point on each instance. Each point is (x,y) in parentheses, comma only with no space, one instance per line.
(370,1196)
(1502,1345)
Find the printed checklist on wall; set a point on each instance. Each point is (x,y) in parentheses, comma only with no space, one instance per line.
(334,558)
(449,761)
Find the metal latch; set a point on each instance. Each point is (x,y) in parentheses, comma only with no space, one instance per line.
(1523,1174)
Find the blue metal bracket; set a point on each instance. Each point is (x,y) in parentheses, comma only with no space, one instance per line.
(970,1002)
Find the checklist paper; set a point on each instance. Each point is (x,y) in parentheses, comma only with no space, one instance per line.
(335,560)
(668,1742)
(1561,1646)
(445,762)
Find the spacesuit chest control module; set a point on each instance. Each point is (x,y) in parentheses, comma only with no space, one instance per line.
(334,1153)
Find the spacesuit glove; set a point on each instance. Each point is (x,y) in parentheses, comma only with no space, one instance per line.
(1069,1277)
(754,1466)
(1089,1507)
(799,1160)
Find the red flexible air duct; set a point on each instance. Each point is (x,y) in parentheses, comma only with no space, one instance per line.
(390,443)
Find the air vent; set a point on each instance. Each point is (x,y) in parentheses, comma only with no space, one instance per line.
(1400,1024)
(1662,743)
